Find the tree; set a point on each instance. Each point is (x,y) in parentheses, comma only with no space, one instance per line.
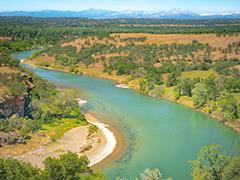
(172,79)
(229,107)
(209,164)
(212,88)
(67,166)
(13,169)
(232,171)
(153,174)
(233,85)
(185,86)
(200,95)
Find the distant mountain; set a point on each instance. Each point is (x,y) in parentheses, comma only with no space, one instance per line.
(108,14)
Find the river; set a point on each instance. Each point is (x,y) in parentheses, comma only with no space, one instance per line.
(160,134)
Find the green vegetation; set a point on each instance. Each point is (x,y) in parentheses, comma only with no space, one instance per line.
(56,129)
(33,31)
(43,105)
(196,74)
(67,166)
(213,164)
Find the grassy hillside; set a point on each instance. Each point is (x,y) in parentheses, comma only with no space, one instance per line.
(200,71)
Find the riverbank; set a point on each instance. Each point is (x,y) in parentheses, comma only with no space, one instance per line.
(109,150)
(134,84)
(97,145)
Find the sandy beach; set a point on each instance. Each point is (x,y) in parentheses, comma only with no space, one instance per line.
(124,86)
(106,146)
(96,148)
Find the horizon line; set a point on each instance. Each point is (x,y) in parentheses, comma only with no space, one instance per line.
(223,12)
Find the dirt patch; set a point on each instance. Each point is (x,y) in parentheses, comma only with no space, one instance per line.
(72,140)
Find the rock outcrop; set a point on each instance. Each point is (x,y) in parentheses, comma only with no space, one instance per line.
(18,104)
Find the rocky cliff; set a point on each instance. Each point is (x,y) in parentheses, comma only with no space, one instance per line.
(18,104)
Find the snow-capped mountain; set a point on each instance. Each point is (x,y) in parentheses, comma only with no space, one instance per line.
(109,14)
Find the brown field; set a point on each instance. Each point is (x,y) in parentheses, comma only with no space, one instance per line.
(96,69)
(211,39)
(79,43)
(172,25)
(8,70)
(44,58)
(237,67)
(3,89)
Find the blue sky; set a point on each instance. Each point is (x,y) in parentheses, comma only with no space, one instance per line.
(193,5)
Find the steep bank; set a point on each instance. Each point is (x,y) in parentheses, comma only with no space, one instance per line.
(18,104)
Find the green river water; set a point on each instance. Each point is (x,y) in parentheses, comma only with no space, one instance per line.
(160,134)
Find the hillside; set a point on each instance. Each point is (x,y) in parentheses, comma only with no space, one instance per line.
(173,66)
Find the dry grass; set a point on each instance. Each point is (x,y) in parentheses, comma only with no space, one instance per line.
(187,101)
(3,90)
(211,39)
(44,58)
(172,25)
(96,70)
(8,70)
(200,74)
(79,43)
(237,67)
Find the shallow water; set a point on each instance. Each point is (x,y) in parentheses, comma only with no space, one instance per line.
(161,134)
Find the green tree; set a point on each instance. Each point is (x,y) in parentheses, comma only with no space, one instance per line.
(232,171)
(200,95)
(212,88)
(209,164)
(67,166)
(229,107)
(153,174)
(185,86)
(172,79)
(13,169)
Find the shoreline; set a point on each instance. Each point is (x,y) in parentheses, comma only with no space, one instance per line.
(104,145)
(121,143)
(219,119)
(110,143)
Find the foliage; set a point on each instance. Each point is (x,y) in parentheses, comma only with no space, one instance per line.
(14,169)
(151,174)
(15,83)
(185,86)
(200,95)
(67,166)
(230,108)
(232,170)
(210,163)
(62,105)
